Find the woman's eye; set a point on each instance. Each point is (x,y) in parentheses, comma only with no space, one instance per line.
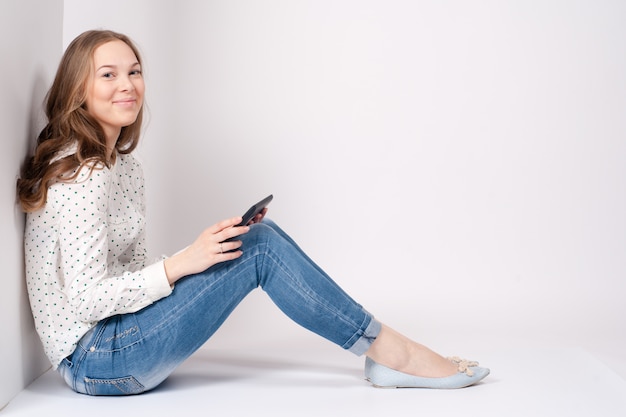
(107,75)
(135,72)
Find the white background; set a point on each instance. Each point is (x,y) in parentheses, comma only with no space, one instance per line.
(459,167)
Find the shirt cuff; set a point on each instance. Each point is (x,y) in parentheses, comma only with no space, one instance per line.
(156,280)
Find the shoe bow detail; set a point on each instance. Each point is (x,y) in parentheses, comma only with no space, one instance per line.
(463,365)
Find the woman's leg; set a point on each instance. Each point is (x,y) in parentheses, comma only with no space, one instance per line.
(393,349)
(132,353)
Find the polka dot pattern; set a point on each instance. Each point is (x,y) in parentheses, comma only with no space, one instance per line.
(85,254)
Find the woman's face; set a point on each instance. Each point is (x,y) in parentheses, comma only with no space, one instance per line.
(115,89)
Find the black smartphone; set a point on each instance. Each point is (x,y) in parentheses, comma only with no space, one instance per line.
(254,210)
(249,215)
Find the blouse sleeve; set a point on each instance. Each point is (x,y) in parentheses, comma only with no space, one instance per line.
(102,250)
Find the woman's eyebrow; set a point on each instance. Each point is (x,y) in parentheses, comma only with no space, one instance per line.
(115,66)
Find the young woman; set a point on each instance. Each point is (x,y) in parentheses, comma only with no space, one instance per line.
(112,321)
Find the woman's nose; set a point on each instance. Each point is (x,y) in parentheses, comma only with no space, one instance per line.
(126,84)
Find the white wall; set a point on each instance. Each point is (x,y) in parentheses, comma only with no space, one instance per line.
(29,59)
(458,166)
(455,165)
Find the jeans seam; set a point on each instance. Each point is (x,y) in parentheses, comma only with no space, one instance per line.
(83,353)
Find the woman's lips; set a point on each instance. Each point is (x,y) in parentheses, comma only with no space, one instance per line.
(129,102)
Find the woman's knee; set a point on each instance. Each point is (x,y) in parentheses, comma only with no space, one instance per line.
(260,234)
(267,228)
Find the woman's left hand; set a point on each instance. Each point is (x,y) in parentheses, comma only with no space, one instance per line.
(258,218)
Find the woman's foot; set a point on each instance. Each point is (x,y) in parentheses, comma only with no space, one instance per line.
(382,377)
(396,361)
(395,351)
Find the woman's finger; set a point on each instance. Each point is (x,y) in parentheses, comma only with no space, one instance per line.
(224,224)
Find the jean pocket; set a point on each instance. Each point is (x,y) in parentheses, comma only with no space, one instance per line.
(127,385)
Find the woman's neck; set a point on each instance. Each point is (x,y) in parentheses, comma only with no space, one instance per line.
(111,142)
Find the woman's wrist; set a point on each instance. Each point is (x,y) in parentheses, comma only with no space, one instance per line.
(172,267)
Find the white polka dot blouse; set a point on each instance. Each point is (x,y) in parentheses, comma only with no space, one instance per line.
(86,257)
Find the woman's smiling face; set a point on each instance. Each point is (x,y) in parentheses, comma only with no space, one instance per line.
(116,88)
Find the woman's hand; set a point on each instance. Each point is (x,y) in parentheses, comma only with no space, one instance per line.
(208,249)
(259,217)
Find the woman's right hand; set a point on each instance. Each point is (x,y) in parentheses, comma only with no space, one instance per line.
(207,250)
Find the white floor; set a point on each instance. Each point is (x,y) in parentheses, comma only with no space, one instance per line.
(531,382)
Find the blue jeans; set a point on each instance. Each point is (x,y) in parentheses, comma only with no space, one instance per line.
(132,353)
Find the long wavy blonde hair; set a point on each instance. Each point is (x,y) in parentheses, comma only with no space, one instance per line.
(70,125)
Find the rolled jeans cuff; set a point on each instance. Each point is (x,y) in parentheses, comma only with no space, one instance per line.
(367,338)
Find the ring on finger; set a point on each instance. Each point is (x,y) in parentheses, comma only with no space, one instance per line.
(221,248)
